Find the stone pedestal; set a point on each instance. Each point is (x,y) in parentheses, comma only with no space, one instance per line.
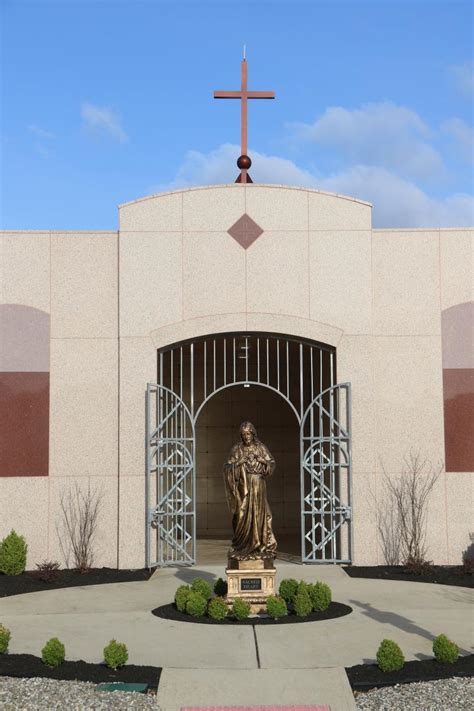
(251,580)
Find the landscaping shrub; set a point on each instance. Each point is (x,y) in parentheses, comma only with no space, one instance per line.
(220,587)
(115,654)
(303,586)
(5,636)
(13,554)
(77,530)
(196,604)
(48,571)
(468,566)
(53,652)
(321,596)
(240,609)
(418,566)
(181,597)
(302,604)
(276,607)
(287,590)
(444,650)
(217,608)
(202,587)
(390,656)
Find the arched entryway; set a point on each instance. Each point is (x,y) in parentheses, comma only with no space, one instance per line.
(287,387)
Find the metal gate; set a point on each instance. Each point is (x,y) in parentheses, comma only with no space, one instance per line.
(326,489)
(170,480)
(300,371)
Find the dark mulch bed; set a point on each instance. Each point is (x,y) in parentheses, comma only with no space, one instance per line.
(441,574)
(368,676)
(335,609)
(27,666)
(28,581)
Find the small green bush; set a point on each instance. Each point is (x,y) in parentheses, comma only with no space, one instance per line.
(302,604)
(5,636)
(202,587)
(217,608)
(276,607)
(196,605)
(53,652)
(321,596)
(240,609)
(390,656)
(445,651)
(13,550)
(115,654)
(287,590)
(181,597)
(220,587)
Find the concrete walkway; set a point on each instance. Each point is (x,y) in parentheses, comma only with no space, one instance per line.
(86,618)
(230,687)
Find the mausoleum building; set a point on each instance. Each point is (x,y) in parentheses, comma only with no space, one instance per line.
(129,359)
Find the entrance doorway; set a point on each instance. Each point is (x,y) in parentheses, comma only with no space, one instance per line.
(287,387)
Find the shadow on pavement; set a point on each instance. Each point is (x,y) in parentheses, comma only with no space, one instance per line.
(396,620)
(392,618)
(188,574)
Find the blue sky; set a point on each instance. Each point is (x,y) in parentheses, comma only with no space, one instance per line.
(105,101)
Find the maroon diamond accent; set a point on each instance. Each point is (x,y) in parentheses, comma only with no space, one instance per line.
(245,231)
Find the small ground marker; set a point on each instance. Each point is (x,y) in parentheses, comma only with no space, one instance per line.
(119,686)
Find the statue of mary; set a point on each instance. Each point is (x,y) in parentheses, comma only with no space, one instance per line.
(245,473)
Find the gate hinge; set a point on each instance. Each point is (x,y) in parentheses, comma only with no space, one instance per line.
(154,516)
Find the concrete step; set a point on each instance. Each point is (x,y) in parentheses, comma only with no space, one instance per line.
(246,687)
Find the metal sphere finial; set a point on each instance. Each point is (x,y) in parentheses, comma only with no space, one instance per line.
(244,162)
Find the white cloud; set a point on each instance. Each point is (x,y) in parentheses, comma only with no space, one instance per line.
(463,136)
(397,202)
(383,134)
(219,166)
(40,132)
(463,75)
(401,203)
(102,120)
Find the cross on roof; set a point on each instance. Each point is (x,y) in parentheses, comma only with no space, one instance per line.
(244,161)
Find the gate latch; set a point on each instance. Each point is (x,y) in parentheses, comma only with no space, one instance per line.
(346,512)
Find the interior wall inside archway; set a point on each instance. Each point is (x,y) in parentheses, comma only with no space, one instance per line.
(217,430)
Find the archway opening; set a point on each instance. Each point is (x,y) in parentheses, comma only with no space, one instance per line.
(287,387)
(217,429)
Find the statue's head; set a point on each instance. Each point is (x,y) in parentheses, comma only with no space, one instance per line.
(248,433)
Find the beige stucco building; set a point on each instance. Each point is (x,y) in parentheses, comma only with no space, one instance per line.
(387,311)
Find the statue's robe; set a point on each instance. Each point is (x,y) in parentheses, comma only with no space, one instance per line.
(246,491)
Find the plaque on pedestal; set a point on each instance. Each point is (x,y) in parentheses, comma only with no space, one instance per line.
(251,580)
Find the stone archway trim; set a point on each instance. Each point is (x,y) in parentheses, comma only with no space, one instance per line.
(234,322)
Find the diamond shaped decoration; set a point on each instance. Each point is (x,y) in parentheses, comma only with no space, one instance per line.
(245,231)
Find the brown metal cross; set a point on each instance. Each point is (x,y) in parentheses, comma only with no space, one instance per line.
(244,95)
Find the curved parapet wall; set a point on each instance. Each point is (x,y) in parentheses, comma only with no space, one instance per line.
(273,206)
(253,249)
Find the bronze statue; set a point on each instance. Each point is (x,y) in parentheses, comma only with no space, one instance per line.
(245,473)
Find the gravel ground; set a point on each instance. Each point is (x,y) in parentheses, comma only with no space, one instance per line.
(52,695)
(443,695)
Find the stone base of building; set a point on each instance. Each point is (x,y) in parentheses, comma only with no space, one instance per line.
(251,580)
